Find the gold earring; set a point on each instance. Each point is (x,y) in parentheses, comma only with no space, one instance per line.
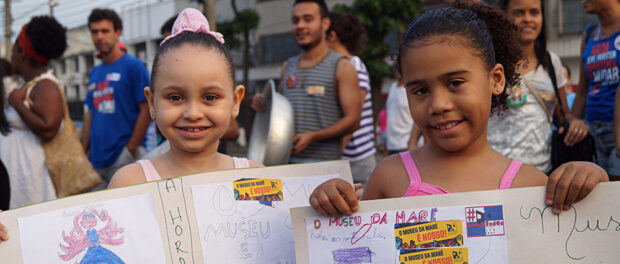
(152,114)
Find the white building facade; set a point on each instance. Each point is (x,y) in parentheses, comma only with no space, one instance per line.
(566,22)
(271,43)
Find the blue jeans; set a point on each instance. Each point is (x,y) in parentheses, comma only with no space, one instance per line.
(603,133)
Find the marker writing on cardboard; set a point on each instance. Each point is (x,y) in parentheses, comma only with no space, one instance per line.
(589,227)
(177,223)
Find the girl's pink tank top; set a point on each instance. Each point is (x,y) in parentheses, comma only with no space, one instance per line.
(150,173)
(419,188)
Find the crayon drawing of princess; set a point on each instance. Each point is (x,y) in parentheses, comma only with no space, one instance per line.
(92,241)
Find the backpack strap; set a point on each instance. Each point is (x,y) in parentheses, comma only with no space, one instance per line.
(554,81)
(538,99)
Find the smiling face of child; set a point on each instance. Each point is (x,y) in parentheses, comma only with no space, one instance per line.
(449,89)
(193,97)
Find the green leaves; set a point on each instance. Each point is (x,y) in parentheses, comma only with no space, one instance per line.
(230,30)
(380,17)
(245,20)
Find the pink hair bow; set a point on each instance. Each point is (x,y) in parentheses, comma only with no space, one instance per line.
(192,20)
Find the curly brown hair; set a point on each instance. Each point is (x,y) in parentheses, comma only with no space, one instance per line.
(349,30)
(490,33)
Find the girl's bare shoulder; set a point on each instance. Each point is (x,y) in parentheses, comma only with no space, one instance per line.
(255,164)
(390,164)
(128,175)
(529,176)
(388,180)
(231,160)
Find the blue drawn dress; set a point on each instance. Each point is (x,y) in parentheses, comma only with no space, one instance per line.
(96,253)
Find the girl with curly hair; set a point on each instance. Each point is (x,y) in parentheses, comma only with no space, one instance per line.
(455,63)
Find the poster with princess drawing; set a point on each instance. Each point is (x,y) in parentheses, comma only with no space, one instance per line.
(115,231)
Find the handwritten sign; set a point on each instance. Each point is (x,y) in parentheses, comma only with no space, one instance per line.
(401,234)
(174,206)
(516,219)
(233,231)
(190,219)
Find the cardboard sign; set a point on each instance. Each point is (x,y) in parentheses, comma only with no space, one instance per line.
(504,226)
(191,219)
(398,235)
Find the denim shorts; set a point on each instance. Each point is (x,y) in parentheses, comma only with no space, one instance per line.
(603,133)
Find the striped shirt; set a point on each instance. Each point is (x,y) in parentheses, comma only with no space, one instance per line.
(362,143)
(312,94)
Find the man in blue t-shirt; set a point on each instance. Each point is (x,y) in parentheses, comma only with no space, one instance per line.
(117,117)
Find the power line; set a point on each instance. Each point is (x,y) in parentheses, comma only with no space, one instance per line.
(68,8)
(70,13)
(24,14)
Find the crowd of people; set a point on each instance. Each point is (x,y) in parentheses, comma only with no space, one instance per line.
(472,108)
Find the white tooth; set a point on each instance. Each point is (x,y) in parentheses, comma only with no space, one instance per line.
(447,125)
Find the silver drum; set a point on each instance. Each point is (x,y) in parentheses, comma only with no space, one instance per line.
(273,130)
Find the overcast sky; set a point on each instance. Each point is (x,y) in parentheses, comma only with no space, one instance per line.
(70,13)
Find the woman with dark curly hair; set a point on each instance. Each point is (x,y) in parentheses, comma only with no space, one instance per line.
(455,63)
(35,112)
(523,132)
(346,36)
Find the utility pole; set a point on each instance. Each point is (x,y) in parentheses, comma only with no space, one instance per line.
(7,28)
(211,15)
(52,4)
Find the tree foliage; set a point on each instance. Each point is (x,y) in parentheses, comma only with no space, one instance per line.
(380,17)
(245,20)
